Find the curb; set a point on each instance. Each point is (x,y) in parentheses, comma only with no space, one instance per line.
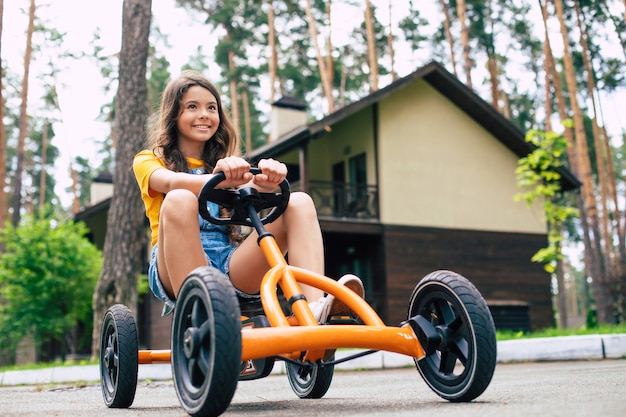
(563,348)
(592,347)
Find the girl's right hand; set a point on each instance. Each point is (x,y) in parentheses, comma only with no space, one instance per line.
(236,170)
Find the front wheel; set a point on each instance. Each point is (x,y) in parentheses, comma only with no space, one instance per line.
(118,357)
(206,343)
(461,366)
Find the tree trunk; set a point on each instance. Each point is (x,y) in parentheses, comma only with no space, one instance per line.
(326,85)
(449,38)
(597,267)
(330,64)
(371,47)
(232,85)
(126,232)
(392,54)
(273,61)
(16,204)
(551,72)
(245,104)
(572,154)
(75,198)
(42,175)
(562,296)
(492,63)
(548,91)
(601,157)
(604,162)
(3,139)
(342,86)
(461,12)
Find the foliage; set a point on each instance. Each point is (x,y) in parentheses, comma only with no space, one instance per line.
(47,277)
(537,174)
(47,365)
(555,332)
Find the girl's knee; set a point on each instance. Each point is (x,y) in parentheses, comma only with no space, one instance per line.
(302,203)
(180,203)
(301,199)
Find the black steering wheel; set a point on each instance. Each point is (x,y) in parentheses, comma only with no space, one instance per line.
(245,202)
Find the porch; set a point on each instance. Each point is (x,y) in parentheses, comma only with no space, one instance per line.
(343,200)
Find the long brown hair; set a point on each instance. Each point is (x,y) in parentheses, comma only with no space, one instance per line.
(163,135)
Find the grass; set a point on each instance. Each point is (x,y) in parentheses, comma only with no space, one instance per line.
(44,365)
(500,335)
(553,332)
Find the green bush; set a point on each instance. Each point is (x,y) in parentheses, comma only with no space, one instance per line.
(48,274)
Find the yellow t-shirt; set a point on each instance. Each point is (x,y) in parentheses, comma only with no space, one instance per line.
(144,164)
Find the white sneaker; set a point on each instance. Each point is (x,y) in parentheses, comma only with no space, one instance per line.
(320,308)
(328,305)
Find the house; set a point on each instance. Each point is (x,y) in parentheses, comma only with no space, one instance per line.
(420,176)
(415,177)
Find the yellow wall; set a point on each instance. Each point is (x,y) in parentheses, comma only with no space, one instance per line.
(348,138)
(439,168)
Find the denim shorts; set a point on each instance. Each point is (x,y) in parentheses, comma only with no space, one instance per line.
(218,251)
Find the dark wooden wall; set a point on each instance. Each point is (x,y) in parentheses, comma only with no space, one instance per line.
(498,264)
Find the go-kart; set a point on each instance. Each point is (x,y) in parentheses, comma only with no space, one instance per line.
(218,339)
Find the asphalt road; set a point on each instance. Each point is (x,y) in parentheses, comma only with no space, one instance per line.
(568,389)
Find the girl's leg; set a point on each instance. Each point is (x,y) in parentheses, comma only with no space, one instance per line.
(179,251)
(298,232)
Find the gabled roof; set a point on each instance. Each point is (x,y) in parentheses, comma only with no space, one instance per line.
(449,86)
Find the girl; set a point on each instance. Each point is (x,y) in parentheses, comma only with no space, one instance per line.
(192,140)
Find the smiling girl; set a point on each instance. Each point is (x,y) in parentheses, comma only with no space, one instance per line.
(192,140)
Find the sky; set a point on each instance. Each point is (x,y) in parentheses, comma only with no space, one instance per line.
(81,86)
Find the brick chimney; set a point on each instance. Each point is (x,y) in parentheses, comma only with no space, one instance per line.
(288,113)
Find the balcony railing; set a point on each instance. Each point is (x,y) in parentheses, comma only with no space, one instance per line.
(344,200)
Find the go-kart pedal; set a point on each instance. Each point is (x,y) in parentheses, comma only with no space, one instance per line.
(255,368)
(343,319)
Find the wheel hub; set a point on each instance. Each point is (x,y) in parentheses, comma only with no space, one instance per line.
(191,342)
(444,333)
(109,358)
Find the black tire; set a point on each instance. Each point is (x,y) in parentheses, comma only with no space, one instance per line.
(119,362)
(206,343)
(310,380)
(461,367)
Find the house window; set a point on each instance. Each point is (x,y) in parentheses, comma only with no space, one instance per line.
(358,171)
(358,196)
(339,190)
(350,197)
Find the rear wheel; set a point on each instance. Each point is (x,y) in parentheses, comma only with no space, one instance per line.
(310,380)
(462,364)
(118,357)
(206,343)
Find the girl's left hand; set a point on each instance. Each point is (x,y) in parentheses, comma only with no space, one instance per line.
(272,174)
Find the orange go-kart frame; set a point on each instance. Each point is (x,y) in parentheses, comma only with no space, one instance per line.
(448,324)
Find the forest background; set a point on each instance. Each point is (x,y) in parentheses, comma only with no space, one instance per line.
(539,63)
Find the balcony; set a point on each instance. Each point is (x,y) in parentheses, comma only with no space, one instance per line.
(341,200)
